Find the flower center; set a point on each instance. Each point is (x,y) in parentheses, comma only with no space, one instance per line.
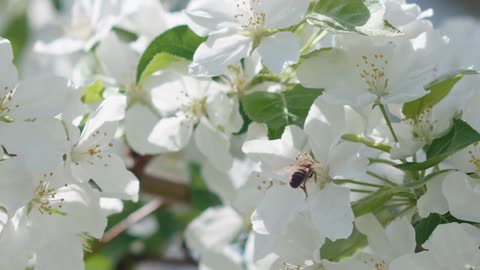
(136,94)
(45,200)
(82,30)
(474,160)
(93,151)
(251,20)
(371,69)
(6,103)
(194,108)
(423,126)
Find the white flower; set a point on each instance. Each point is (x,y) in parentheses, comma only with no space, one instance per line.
(214,229)
(89,21)
(47,227)
(329,204)
(452,191)
(365,70)
(297,247)
(451,246)
(235,27)
(198,108)
(27,108)
(396,240)
(90,158)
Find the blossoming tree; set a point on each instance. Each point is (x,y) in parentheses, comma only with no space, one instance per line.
(265,134)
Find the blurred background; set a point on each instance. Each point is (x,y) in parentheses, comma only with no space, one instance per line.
(148,235)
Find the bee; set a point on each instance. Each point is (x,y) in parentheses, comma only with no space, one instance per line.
(303,171)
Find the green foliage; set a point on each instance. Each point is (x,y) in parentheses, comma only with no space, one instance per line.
(124,34)
(342,248)
(372,202)
(179,41)
(438,90)
(160,61)
(93,93)
(17,31)
(98,262)
(460,136)
(364,17)
(425,227)
(201,198)
(277,110)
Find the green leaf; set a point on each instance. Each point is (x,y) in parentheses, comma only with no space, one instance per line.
(124,34)
(438,89)
(17,31)
(460,136)
(372,202)
(364,17)
(93,93)
(336,250)
(425,227)
(179,41)
(98,262)
(160,61)
(277,110)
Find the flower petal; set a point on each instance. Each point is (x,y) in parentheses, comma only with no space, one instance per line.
(137,132)
(279,51)
(171,134)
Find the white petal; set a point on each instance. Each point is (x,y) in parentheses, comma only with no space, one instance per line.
(433,201)
(7,68)
(224,258)
(118,59)
(168,93)
(110,174)
(61,253)
(41,97)
(345,161)
(139,123)
(207,16)
(202,233)
(60,46)
(172,134)
(279,51)
(324,125)
(280,153)
(462,195)
(452,245)
(220,50)
(16,185)
(283,13)
(285,200)
(331,212)
(214,145)
(420,261)
(42,152)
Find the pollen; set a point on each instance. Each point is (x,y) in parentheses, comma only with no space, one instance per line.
(5,102)
(423,126)
(371,69)
(474,153)
(251,20)
(45,200)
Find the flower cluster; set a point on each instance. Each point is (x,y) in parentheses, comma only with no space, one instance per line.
(337,134)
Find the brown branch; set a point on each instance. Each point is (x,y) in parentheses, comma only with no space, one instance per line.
(159,186)
(133,218)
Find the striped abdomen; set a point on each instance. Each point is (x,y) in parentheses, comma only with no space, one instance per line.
(298,177)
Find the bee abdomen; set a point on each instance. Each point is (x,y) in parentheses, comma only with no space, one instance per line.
(297,178)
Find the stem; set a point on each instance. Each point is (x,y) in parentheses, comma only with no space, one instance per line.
(364,141)
(381,160)
(351,181)
(316,38)
(361,190)
(389,123)
(381,178)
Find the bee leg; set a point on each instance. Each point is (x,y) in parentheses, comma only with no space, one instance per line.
(304,188)
(315,176)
